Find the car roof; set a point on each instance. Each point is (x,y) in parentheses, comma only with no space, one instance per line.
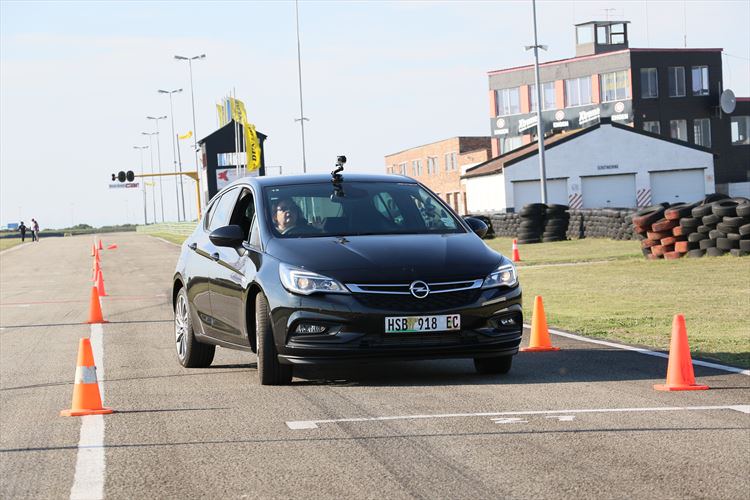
(286,180)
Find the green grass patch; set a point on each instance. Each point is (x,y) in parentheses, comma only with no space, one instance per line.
(585,250)
(6,243)
(634,301)
(174,238)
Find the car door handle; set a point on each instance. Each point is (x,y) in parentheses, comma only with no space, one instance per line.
(215,256)
(193,246)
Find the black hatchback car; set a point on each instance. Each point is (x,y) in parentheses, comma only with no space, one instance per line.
(323,269)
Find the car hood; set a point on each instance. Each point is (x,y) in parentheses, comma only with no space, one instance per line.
(389,258)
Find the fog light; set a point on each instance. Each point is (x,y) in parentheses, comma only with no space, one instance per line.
(309,329)
(507,321)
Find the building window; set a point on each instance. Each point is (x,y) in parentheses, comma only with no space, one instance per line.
(649,83)
(584,34)
(402,168)
(510,143)
(678,129)
(700,80)
(578,91)
(652,127)
(431,165)
(416,167)
(548,96)
(702,132)
(508,101)
(450,161)
(676,81)
(740,126)
(614,86)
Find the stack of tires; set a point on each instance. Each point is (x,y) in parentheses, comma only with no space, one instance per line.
(724,228)
(532,223)
(555,223)
(714,226)
(505,224)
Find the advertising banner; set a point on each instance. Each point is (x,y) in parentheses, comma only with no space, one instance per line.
(563,119)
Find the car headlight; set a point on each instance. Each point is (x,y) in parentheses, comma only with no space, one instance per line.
(505,275)
(305,282)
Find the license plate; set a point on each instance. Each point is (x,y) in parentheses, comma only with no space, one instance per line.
(419,324)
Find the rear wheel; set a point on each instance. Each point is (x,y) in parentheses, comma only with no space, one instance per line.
(487,366)
(190,352)
(270,371)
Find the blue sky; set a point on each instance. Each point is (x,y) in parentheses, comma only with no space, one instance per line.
(78,78)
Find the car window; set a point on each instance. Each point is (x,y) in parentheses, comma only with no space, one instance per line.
(222,210)
(254,234)
(356,208)
(244,211)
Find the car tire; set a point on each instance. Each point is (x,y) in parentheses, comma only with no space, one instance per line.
(488,366)
(190,352)
(270,371)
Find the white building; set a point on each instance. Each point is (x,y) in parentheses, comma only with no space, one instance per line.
(607,165)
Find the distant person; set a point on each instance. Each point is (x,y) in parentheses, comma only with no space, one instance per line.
(22,228)
(34,229)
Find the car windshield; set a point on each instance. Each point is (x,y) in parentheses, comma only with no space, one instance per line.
(356,208)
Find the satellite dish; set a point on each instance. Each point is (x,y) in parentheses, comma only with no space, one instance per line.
(727,101)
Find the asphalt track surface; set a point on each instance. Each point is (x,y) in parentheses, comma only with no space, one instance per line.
(431,429)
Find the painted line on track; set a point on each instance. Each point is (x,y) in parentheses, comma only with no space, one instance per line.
(313,424)
(647,352)
(88,482)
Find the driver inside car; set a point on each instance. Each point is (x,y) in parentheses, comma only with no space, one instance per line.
(289,219)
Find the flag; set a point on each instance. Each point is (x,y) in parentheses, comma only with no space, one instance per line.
(186,136)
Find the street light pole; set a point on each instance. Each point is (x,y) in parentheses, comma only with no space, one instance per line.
(301,118)
(151,153)
(539,123)
(158,157)
(192,99)
(145,216)
(177,190)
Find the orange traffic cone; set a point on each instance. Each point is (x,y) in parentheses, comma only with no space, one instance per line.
(101,247)
(100,284)
(680,376)
(86,398)
(93,249)
(111,247)
(95,269)
(516,257)
(95,308)
(539,333)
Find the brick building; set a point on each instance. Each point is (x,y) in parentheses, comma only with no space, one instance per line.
(439,166)
(673,92)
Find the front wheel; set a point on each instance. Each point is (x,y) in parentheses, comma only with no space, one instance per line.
(487,366)
(270,371)
(190,352)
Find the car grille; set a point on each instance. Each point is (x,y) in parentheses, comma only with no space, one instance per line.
(409,303)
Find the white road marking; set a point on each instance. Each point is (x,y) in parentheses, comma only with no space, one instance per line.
(647,352)
(313,424)
(562,418)
(88,482)
(509,420)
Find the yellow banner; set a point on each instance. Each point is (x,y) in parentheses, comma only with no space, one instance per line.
(187,136)
(236,109)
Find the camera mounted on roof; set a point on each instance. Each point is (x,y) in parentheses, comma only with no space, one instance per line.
(335,175)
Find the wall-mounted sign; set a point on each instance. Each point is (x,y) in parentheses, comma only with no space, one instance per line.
(120,185)
(607,167)
(563,119)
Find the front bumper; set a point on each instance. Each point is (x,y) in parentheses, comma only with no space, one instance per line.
(356,328)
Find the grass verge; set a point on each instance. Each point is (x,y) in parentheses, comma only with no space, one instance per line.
(586,250)
(6,243)
(634,301)
(174,238)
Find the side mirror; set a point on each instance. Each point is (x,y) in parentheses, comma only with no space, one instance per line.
(227,236)
(476,225)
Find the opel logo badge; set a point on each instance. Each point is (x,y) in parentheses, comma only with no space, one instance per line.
(559,115)
(419,289)
(619,107)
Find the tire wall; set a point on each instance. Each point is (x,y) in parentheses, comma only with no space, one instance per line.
(583,223)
